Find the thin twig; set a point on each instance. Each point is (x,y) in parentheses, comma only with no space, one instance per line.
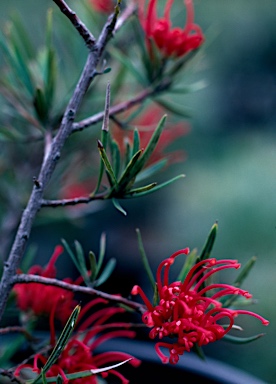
(87,36)
(118,108)
(50,161)
(28,278)
(126,14)
(75,201)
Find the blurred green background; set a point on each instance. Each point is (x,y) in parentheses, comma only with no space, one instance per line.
(230,170)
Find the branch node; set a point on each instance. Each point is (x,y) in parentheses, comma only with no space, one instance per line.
(36,183)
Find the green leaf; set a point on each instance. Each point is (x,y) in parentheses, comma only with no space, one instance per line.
(108,166)
(154,189)
(101,253)
(208,246)
(128,64)
(61,343)
(242,340)
(40,105)
(150,147)
(190,260)
(199,351)
(178,110)
(116,157)
(108,269)
(151,170)
(72,255)
(197,86)
(128,176)
(136,141)
(118,206)
(145,260)
(245,271)
(93,266)
(145,188)
(81,374)
(81,261)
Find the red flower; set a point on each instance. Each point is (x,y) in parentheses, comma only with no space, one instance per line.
(146,123)
(79,353)
(190,311)
(45,299)
(102,6)
(170,41)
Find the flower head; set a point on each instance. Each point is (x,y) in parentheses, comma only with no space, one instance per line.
(79,353)
(170,41)
(40,299)
(190,312)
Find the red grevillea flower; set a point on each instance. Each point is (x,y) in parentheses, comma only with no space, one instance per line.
(102,6)
(40,299)
(170,41)
(79,354)
(190,312)
(146,123)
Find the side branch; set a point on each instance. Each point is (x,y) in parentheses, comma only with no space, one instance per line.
(118,108)
(75,201)
(28,278)
(87,36)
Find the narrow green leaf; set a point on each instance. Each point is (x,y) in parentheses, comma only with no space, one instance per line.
(178,110)
(128,175)
(188,264)
(40,105)
(156,188)
(81,261)
(116,157)
(108,166)
(245,271)
(152,144)
(201,84)
(208,246)
(118,206)
(93,266)
(199,351)
(24,39)
(242,340)
(136,141)
(145,188)
(72,255)
(145,260)
(151,170)
(81,374)
(43,377)
(128,64)
(59,379)
(61,343)
(108,269)
(101,253)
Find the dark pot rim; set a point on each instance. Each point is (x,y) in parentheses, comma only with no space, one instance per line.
(207,371)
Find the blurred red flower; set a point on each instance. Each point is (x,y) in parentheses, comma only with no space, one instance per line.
(40,299)
(189,312)
(79,353)
(102,6)
(170,41)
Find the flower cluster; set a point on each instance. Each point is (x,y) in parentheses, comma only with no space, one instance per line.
(190,312)
(79,354)
(172,42)
(39,299)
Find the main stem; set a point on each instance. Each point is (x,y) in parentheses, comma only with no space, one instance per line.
(46,171)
